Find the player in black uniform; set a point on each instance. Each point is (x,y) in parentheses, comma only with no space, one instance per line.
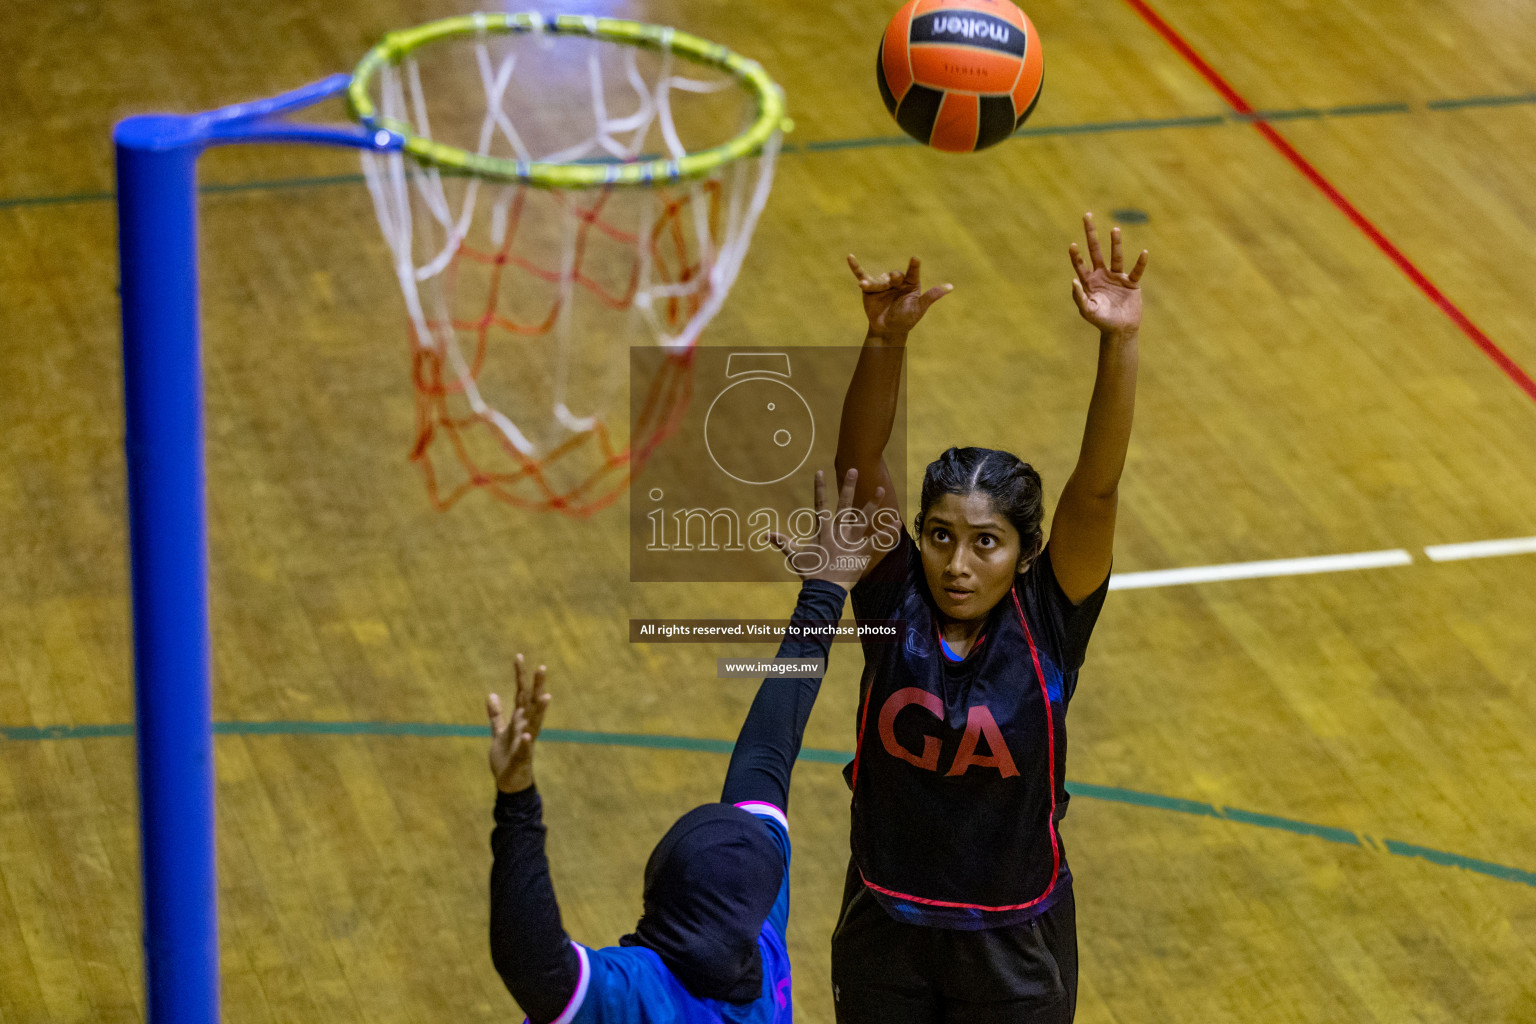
(710,946)
(958,902)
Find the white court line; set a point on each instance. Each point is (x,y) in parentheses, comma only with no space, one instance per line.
(1256,570)
(1481,549)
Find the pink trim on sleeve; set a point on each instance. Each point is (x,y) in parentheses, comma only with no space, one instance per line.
(765,810)
(569,1013)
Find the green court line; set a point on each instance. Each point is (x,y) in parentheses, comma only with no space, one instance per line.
(1456,860)
(651,741)
(1335,835)
(1293,114)
(832,145)
(1102,127)
(1034,131)
(1358,109)
(625,739)
(887,141)
(1348,110)
(1481,101)
(346,729)
(59,200)
(647,741)
(254,186)
(62,732)
(1139,799)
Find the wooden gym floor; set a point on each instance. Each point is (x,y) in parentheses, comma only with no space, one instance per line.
(1301,798)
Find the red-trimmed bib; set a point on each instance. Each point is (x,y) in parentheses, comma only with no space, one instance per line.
(956,773)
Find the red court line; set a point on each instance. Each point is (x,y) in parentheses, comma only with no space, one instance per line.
(1235,100)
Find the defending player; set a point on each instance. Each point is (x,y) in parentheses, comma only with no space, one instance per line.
(958,902)
(710,946)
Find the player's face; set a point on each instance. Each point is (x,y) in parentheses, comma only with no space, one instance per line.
(970,554)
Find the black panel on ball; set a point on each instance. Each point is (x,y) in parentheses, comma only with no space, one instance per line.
(918,110)
(1039,91)
(885,87)
(996,116)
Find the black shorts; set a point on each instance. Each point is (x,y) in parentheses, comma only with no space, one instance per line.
(887,972)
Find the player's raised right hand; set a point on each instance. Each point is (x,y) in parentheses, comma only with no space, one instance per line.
(894,302)
(513,733)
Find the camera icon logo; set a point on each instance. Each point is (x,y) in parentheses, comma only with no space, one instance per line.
(759,429)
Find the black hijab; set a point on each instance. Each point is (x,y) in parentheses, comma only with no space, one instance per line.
(709,885)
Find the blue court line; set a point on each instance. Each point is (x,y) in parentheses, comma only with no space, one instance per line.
(889,141)
(650,741)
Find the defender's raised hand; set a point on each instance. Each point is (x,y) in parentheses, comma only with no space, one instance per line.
(894,302)
(514,733)
(1107,297)
(846,540)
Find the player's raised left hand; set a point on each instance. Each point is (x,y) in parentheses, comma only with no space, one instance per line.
(514,733)
(1107,297)
(895,301)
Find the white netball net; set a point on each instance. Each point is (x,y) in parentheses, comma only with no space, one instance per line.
(522,301)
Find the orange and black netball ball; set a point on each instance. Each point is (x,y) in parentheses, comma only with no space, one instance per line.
(960,75)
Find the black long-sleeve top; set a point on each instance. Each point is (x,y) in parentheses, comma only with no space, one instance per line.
(529,945)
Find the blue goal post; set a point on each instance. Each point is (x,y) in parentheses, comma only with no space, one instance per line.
(167,527)
(163,406)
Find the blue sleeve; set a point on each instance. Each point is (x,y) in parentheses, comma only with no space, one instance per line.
(629,985)
(617,992)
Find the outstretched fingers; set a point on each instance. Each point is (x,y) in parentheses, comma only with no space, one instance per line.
(913,276)
(858,271)
(531,698)
(1080,296)
(867,283)
(1078,266)
(1140,267)
(872,506)
(934,294)
(520,676)
(889,279)
(538,702)
(869,511)
(1094,252)
(845,493)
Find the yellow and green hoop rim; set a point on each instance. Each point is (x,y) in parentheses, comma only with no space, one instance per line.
(770,120)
